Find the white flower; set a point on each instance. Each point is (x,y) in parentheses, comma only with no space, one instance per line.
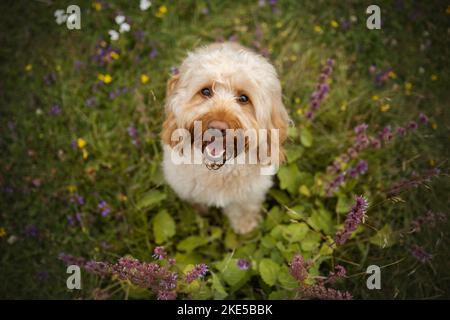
(144,5)
(124,27)
(120,19)
(113,34)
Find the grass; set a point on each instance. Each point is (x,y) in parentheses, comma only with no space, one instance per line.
(41,169)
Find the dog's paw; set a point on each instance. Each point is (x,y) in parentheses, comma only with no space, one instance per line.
(246,223)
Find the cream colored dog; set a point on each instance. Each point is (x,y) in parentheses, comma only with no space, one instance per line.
(223,86)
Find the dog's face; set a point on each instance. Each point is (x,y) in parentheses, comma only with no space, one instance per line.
(225,86)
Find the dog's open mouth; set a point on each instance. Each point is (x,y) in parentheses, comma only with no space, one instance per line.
(215,152)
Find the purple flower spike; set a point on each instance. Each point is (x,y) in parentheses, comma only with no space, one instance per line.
(198,272)
(243,264)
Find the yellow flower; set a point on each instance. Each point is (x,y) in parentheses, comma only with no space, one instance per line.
(106,78)
(81,143)
(114,55)
(298,100)
(432,162)
(434,125)
(144,78)
(97,6)
(71,188)
(408,86)
(434,77)
(334,24)
(28,67)
(2,232)
(344,106)
(293,58)
(85,154)
(103,44)
(385,107)
(161,11)
(300,111)
(392,75)
(318,29)
(375,98)
(58,68)
(279,24)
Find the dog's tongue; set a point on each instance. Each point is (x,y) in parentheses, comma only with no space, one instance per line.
(214,150)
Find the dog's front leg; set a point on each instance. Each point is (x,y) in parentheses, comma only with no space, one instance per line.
(243,217)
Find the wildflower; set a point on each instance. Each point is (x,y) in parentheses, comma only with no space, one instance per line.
(81,143)
(433,77)
(162,10)
(97,6)
(144,4)
(153,54)
(28,67)
(104,207)
(114,55)
(243,264)
(159,253)
(318,291)
(174,70)
(55,110)
(98,268)
(401,131)
(385,134)
(339,272)
(318,29)
(408,88)
(420,254)
(31,231)
(133,133)
(428,219)
(354,218)
(299,268)
(77,199)
(50,78)
(361,128)
(413,182)
(2,232)
(198,272)
(322,89)
(85,154)
(167,295)
(105,78)
(412,126)
(385,107)
(71,260)
(423,118)
(375,98)
(334,24)
(144,78)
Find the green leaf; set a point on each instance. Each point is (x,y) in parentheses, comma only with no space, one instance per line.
(269,271)
(231,273)
(150,199)
(321,220)
(297,212)
(384,238)
(295,231)
(219,290)
(343,204)
(190,243)
(287,281)
(280,196)
(163,227)
(306,137)
(289,178)
(293,153)
(311,242)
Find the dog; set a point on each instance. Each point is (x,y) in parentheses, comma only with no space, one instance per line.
(224,86)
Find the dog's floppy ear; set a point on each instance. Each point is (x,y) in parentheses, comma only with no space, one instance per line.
(169,124)
(279,119)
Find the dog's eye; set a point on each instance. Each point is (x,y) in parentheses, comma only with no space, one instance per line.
(243,99)
(206,92)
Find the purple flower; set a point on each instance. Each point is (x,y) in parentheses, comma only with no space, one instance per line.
(243,264)
(31,231)
(97,267)
(423,118)
(318,291)
(153,53)
(321,91)
(42,276)
(50,78)
(362,167)
(401,131)
(77,199)
(198,272)
(55,110)
(299,268)
(412,126)
(159,253)
(166,295)
(354,218)
(91,102)
(339,272)
(420,254)
(71,260)
(105,209)
(361,128)
(385,134)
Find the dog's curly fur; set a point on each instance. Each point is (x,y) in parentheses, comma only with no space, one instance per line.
(229,69)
